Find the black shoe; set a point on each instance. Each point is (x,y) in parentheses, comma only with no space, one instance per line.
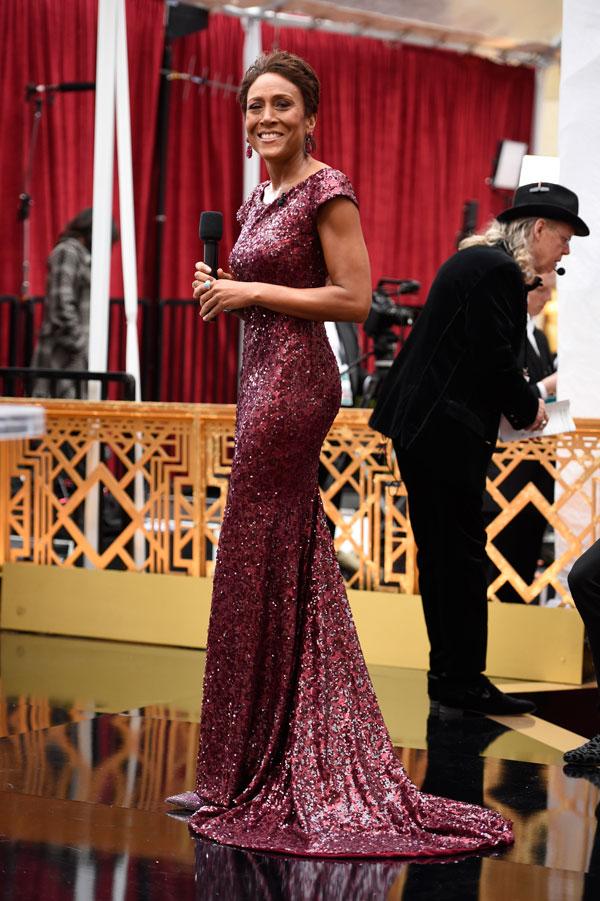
(453,698)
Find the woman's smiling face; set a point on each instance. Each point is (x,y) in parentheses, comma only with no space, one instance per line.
(276,123)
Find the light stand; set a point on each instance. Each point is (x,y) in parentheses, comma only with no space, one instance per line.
(25,200)
(38,93)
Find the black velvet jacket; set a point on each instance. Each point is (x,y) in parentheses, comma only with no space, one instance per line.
(462,356)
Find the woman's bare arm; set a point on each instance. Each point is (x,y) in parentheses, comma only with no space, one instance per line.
(346,297)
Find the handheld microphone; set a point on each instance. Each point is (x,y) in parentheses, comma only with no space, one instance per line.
(211,232)
(560,271)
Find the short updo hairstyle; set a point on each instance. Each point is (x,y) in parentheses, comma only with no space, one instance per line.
(289,66)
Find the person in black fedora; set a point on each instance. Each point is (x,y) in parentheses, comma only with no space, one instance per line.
(547,201)
(441,403)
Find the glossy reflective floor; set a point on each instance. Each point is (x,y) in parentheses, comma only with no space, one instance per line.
(93,735)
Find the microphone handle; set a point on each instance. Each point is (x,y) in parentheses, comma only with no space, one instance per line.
(211,256)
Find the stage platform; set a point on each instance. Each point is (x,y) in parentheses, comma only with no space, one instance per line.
(93,734)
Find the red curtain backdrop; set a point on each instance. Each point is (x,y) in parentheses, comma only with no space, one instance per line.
(415,129)
(204,172)
(49,42)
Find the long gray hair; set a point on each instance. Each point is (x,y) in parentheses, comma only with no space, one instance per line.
(514,235)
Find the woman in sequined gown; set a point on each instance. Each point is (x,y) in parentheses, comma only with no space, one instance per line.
(294,755)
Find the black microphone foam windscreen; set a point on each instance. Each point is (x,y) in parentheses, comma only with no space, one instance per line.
(211,226)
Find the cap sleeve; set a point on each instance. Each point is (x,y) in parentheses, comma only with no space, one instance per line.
(328,184)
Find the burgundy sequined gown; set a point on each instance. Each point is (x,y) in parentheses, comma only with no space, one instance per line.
(294,754)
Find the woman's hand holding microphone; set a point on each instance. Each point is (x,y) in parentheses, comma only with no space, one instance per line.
(220,295)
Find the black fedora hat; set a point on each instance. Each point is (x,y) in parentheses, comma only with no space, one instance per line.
(547,201)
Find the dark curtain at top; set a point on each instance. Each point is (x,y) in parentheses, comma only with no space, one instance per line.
(415,129)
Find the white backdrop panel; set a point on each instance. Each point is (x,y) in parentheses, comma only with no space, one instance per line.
(579,142)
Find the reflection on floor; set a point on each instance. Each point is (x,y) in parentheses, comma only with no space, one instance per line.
(93,735)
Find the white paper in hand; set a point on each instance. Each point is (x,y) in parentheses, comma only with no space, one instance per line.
(559,420)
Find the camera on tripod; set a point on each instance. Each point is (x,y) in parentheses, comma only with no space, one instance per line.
(384,315)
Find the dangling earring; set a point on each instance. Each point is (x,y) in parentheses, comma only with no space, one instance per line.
(248,149)
(310,145)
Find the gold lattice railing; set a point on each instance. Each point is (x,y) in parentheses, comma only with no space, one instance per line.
(161,473)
